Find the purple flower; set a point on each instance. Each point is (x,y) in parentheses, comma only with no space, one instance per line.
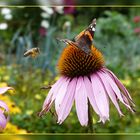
(84,78)
(4,111)
(42,31)
(70,8)
(137,30)
(97,88)
(136,19)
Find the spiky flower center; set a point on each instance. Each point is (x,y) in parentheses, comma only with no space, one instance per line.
(73,62)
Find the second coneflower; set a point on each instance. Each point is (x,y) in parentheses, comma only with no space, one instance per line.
(84,78)
(4,110)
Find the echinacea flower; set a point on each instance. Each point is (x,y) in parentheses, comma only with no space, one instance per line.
(4,111)
(84,78)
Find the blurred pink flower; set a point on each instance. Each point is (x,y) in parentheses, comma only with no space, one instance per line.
(42,31)
(70,9)
(136,19)
(97,88)
(137,30)
(4,109)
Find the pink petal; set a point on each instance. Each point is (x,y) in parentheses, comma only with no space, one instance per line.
(81,102)
(3,121)
(54,90)
(4,89)
(4,105)
(110,92)
(60,95)
(115,88)
(100,97)
(127,102)
(90,95)
(51,96)
(121,86)
(67,101)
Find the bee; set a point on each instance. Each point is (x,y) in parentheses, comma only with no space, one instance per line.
(83,40)
(34,52)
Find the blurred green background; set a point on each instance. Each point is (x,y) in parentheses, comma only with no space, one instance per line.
(117,37)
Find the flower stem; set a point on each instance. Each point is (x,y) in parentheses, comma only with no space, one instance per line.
(90,121)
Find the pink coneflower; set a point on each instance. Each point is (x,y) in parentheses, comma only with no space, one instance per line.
(84,78)
(4,111)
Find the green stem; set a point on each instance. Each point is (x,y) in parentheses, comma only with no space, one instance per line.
(90,121)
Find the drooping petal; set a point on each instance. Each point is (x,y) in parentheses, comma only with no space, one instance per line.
(127,102)
(115,88)
(110,92)
(67,101)
(81,102)
(120,85)
(3,121)
(53,92)
(4,89)
(60,95)
(51,96)
(91,96)
(100,97)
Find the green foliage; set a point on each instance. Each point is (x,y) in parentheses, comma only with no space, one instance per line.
(116,39)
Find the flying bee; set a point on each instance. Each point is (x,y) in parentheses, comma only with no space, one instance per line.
(34,52)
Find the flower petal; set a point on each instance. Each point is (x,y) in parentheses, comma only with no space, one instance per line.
(4,105)
(90,95)
(51,96)
(60,95)
(81,102)
(100,97)
(115,89)
(110,92)
(53,92)
(67,101)
(120,85)
(3,121)
(4,89)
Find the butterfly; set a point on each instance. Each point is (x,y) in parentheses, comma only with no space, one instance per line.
(84,39)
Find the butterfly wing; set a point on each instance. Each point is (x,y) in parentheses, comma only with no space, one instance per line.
(88,31)
(85,38)
(69,42)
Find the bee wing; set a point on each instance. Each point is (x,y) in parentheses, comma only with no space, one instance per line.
(27,53)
